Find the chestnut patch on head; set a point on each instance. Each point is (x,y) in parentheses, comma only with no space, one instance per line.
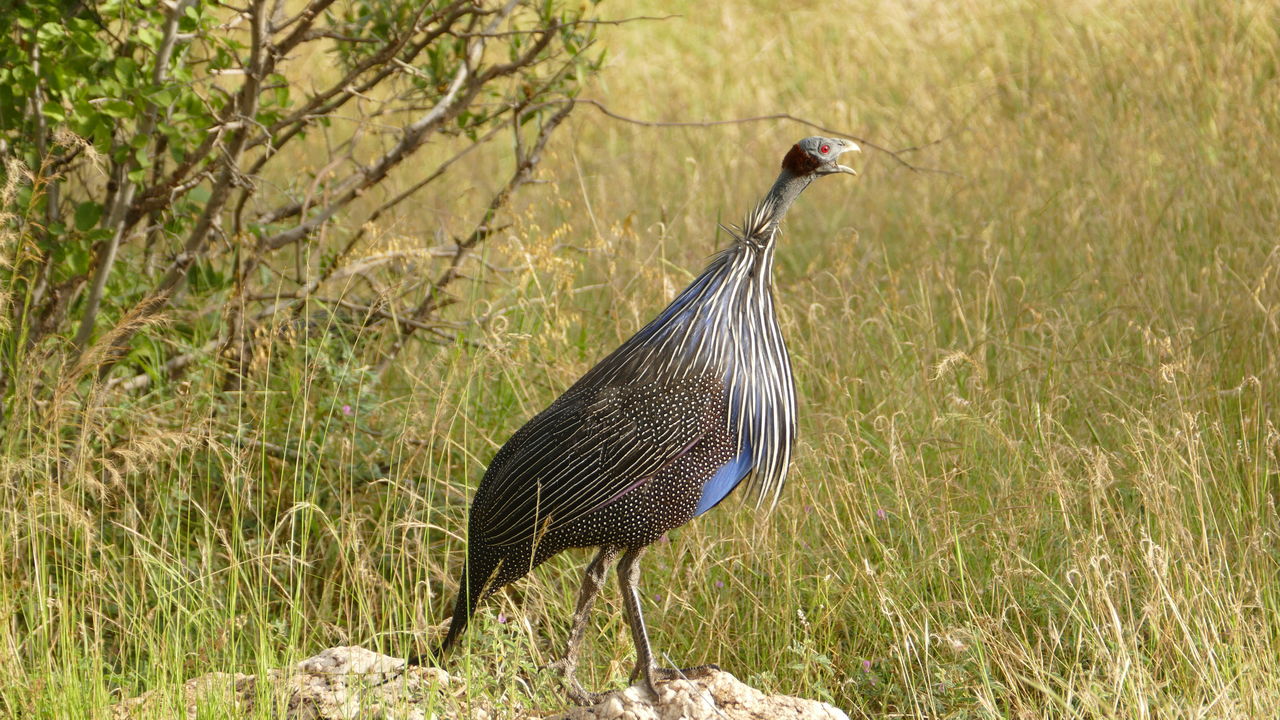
(799,162)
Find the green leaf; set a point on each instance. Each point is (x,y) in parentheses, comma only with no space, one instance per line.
(117,109)
(87,215)
(49,32)
(126,70)
(163,97)
(149,36)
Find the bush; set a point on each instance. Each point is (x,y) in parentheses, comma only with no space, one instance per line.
(197,201)
(220,166)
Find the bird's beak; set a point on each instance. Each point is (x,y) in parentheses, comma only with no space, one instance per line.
(831,167)
(849,146)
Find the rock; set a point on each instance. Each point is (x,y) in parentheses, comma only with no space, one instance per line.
(339,683)
(717,696)
(350,683)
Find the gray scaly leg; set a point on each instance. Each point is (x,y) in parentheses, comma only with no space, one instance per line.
(592,581)
(628,578)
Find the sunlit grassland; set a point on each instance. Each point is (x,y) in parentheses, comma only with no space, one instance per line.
(1038,464)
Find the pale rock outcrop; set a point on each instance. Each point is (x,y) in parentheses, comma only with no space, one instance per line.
(339,683)
(717,696)
(352,683)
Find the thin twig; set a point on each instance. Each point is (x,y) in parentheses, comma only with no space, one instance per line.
(464,87)
(371,311)
(572,23)
(278,451)
(323,103)
(246,106)
(116,220)
(436,298)
(895,154)
(170,369)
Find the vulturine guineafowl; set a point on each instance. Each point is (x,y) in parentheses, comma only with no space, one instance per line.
(697,402)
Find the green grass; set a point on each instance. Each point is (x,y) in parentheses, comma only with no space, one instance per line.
(1055,372)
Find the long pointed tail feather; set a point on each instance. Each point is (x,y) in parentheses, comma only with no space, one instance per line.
(472,589)
(463,608)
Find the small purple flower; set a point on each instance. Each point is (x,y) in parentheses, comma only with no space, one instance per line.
(346,410)
(808,508)
(502,618)
(719,583)
(866,666)
(664,538)
(658,597)
(880,513)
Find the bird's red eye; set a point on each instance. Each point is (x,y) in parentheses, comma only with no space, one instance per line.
(825,149)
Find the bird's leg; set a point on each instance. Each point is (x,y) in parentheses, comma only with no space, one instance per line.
(628,579)
(592,581)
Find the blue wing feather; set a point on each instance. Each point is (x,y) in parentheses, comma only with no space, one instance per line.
(724,481)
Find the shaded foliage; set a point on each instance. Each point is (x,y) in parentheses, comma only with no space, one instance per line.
(224,166)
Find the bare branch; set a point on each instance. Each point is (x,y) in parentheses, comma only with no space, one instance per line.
(247,105)
(160,194)
(344,89)
(571,23)
(523,173)
(464,87)
(370,311)
(305,20)
(170,369)
(117,215)
(285,301)
(895,154)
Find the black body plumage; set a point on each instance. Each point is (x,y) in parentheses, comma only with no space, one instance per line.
(662,429)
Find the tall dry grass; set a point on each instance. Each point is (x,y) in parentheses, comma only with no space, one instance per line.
(1038,466)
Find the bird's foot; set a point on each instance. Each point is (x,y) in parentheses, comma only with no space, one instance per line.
(577,694)
(662,674)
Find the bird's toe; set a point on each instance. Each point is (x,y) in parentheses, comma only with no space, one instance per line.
(655,675)
(581,697)
(696,672)
(578,695)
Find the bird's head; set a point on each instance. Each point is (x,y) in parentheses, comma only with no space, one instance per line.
(818,156)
